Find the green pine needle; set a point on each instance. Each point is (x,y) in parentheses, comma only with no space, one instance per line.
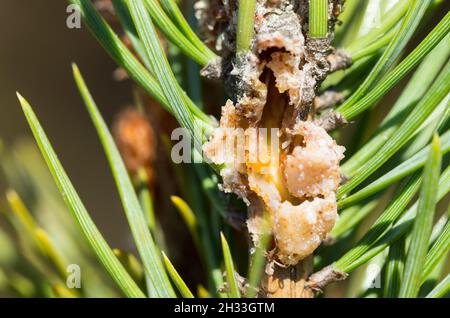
(176,278)
(387,218)
(404,133)
(405,168)
(394,269)
(178,18)
(437,252)
(409,25)
(350,110)
(79,212)
(441,290)
(245,25)
(161,69)
(229,266)
(423,224)
(396,231)
(318,18)
(417,86)
(388,23)
(123,57)
(197,51)
(148,251)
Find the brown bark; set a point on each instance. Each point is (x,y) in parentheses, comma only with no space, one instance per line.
(288,282)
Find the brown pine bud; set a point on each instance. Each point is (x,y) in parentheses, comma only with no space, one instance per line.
(136,140)
(106,9)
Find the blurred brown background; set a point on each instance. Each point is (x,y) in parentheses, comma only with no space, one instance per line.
(35,59)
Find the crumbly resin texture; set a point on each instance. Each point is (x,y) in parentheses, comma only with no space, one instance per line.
(292,183)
